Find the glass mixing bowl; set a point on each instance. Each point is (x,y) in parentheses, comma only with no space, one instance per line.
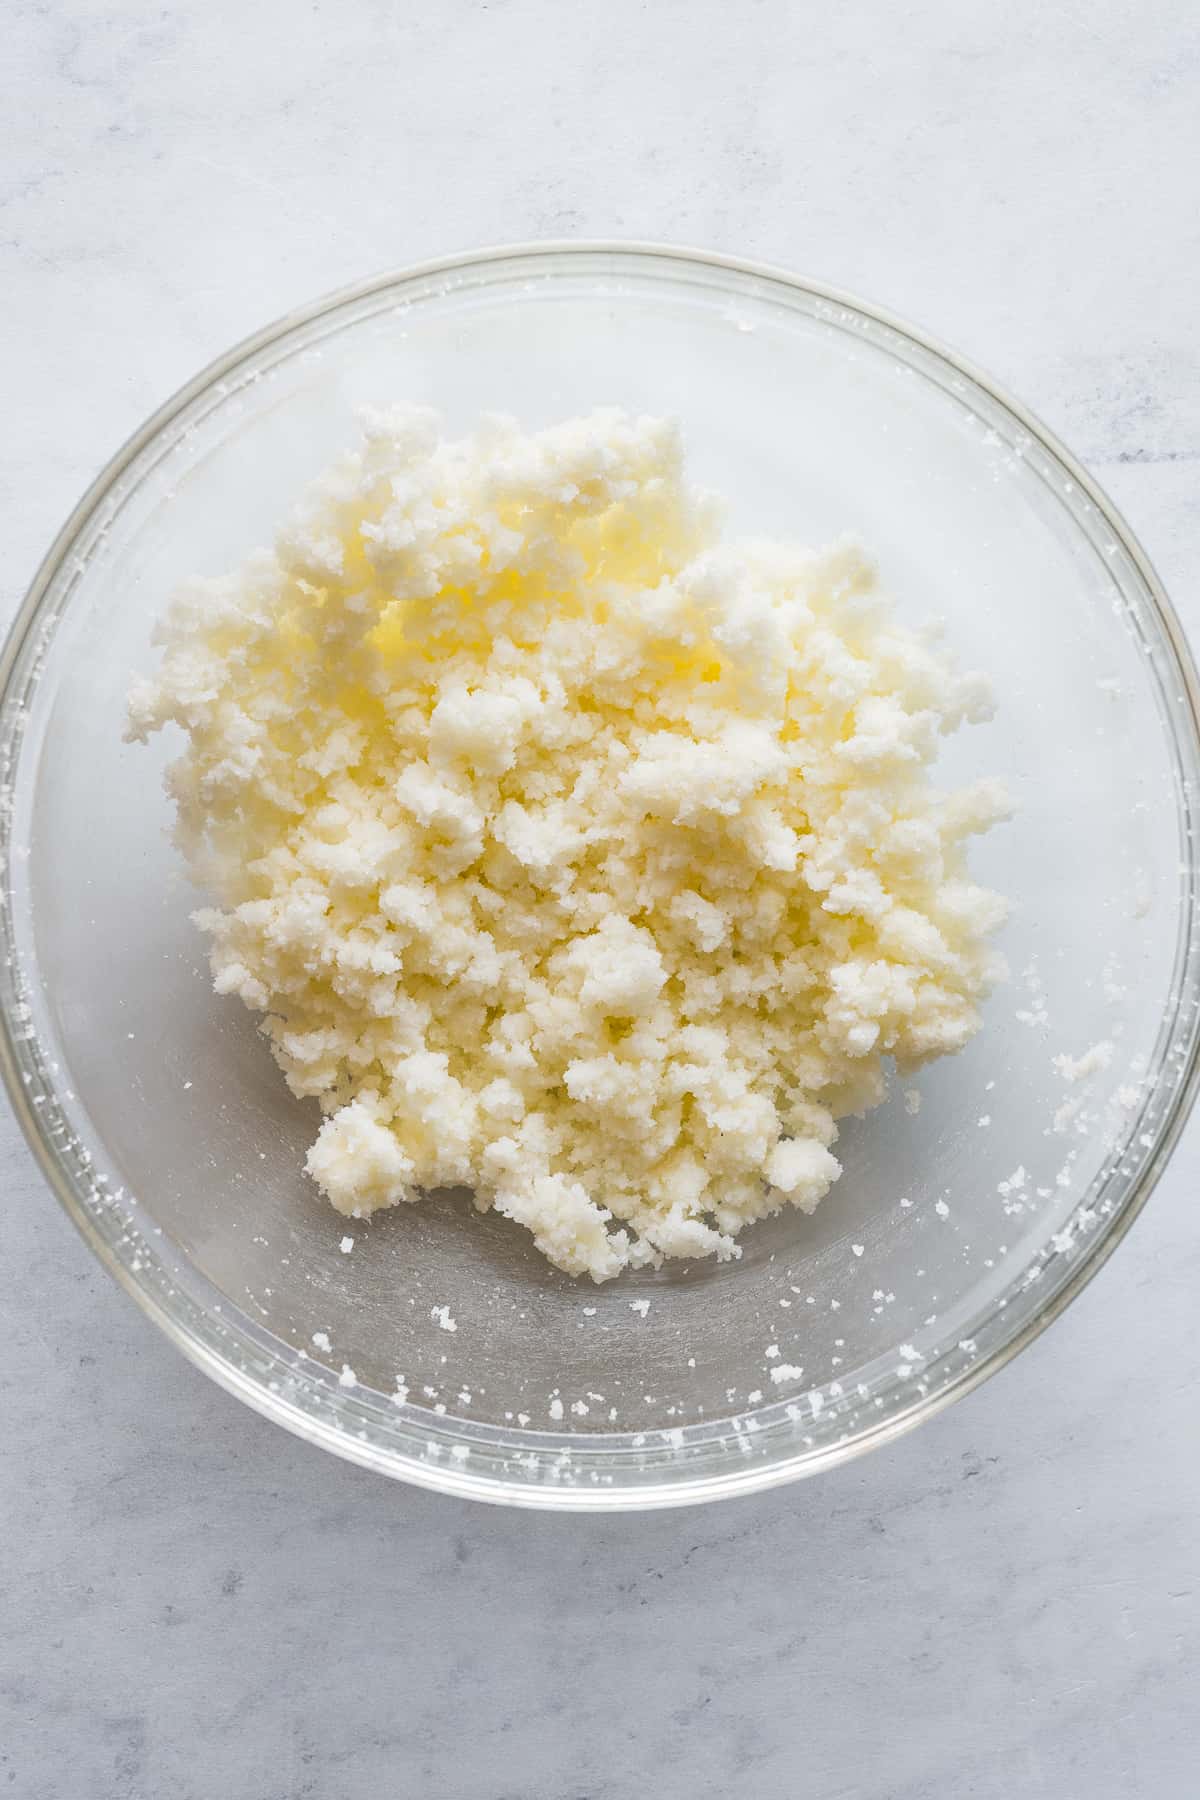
(956,1232)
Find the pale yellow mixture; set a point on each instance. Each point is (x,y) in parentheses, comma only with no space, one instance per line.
(569,853)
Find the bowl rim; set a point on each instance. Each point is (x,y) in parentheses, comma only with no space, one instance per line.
(439,1476)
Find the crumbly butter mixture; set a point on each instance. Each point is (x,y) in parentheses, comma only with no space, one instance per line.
(568,852)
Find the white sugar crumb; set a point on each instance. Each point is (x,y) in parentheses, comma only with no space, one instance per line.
(346,1246)
(1114,989)
(568,852)
(400,1397)
(858,1249)
(556,1409)
(460,1452)
(441,1316)
(639,1306)
(1065,1115)
(984,1119)
(320,1341)
(1036,1013)
(1078,1068)
(912,1101)
(941,1209)
(817,1401)
(347,1378)
(754,1398)
(579,1408)
(589,1312)
(772,1350)
(785,1372)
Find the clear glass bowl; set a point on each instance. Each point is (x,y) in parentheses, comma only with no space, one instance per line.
(955,1233)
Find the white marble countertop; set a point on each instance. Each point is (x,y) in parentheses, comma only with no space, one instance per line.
(1008,1602)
